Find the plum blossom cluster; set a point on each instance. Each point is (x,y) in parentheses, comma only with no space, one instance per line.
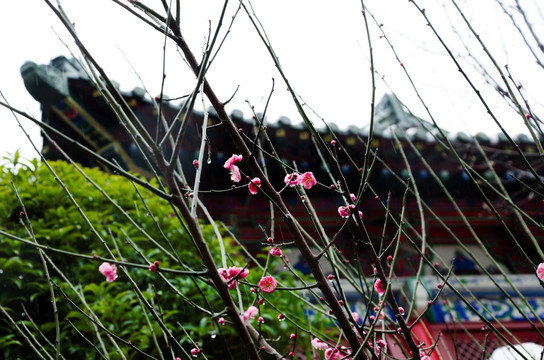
(345,211)
(379,347)
(253,311)
(236,176)
(231,274)
(331,353)
(307,180)
(154,267)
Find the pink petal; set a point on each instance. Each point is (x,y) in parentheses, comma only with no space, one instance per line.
(235,175)
(234,159)
(254,185)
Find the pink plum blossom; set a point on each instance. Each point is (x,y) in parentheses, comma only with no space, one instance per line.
(343,211)
(540,271)
(268,284)
(292,179)
(109,271)
(230,165)
(319,344)
(332,354)
(353,197)
(195,351)
(378,285)
(254,185)
(232,272)
(221,321)
(355,316)
(237,271)
(308,180)
(275,251)
(250,313)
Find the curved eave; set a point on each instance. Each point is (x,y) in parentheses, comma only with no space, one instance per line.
(44,84)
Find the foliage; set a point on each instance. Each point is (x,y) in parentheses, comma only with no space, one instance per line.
(57,223)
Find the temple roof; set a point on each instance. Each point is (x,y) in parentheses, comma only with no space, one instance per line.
(390,112)
(48,83)
(75,106)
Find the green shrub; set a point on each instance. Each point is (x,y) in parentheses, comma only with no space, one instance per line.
(56,222)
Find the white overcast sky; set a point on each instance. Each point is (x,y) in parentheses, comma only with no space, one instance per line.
(321,44)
